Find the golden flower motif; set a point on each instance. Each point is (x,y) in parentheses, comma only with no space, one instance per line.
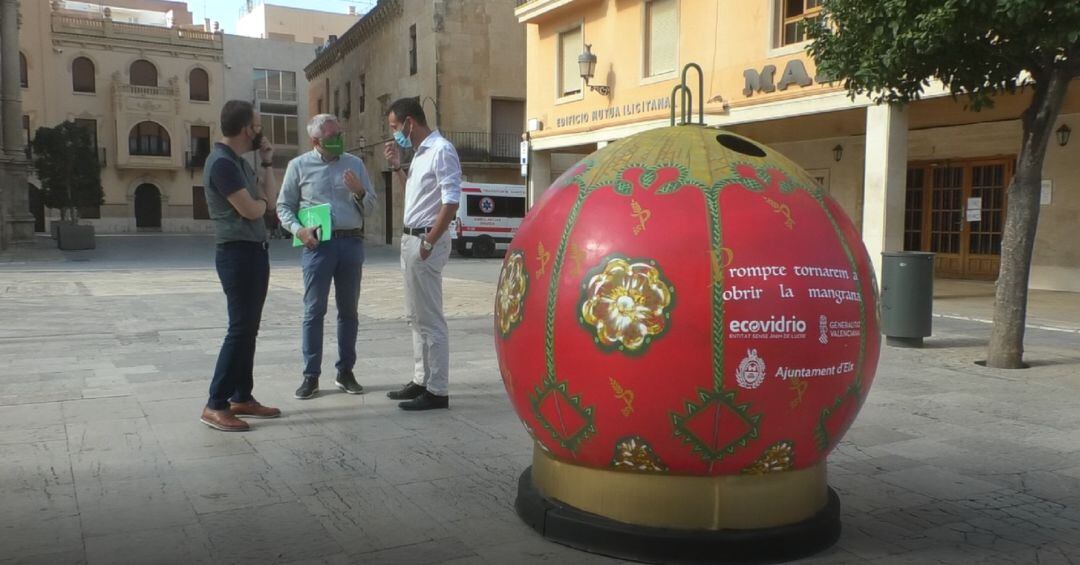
(778,457)
(626,304)
(633,453)
(510,296)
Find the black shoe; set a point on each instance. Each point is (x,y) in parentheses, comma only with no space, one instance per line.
(426,401)
(308,388)
(407,392)
(346,381)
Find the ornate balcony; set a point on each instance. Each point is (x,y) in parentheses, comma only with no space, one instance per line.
(135,105)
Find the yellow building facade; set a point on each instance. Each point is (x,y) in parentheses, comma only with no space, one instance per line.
(907,176)
(151,97)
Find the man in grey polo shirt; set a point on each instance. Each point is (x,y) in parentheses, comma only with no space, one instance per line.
(237,203)
(432,193)
(328,175)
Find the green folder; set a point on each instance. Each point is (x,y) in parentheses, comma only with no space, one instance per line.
(318,216)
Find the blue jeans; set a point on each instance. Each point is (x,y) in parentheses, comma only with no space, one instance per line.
(341,260)
(244,270)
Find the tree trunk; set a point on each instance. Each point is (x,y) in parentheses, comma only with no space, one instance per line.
(1006,349)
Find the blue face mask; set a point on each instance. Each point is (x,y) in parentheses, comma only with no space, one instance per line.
(402,140)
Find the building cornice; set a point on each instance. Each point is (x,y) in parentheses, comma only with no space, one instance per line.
(385,11)
(137,47)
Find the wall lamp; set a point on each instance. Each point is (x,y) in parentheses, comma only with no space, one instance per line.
(838,153)
(1063,134)
(587,65)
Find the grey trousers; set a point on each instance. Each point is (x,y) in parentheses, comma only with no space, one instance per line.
(424,312)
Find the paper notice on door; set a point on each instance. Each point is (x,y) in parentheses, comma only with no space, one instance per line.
(974,203)
(974,215)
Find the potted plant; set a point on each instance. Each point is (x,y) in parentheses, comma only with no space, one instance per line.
(67,164)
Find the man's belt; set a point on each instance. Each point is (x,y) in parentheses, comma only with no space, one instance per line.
(416,231)
(355,232)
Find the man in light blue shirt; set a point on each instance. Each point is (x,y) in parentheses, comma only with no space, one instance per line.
(328,175)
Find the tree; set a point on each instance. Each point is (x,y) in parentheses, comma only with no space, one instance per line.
(66,162)
(979,49)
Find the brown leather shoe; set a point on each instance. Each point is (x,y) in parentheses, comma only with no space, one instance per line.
(223,420)
(253,409)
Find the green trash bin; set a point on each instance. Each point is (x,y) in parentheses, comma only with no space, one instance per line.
(907,297)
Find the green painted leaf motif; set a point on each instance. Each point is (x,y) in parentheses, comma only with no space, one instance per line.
(648,179)
(720,400)
(575,437)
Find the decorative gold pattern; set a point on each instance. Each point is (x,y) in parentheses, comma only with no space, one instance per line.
(783,210)
(642,215)
(780,456)
(626,395)
(577,255)
(720,260)
(626,303)
(633,453)
(510,297)
(542,257)
(799,386)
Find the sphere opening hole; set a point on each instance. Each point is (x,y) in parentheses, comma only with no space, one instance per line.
(739,145)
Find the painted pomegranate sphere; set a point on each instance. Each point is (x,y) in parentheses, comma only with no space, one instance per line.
(687,301)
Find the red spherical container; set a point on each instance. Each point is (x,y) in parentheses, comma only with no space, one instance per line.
(686,304)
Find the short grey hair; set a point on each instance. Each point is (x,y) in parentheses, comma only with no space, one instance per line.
(315,126)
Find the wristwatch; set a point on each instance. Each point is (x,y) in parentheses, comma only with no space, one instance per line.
(266,164)
(426,245)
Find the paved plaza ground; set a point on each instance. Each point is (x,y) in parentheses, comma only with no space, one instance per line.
(105,358)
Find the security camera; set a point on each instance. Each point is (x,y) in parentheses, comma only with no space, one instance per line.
(58,50)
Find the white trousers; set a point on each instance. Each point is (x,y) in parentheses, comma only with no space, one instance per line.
(424,312)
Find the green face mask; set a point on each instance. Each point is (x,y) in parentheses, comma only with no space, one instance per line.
(334,145)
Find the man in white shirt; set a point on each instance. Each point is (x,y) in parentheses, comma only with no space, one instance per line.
(432,193)
(328,175)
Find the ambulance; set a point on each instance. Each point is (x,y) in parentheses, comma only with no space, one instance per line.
(488,218)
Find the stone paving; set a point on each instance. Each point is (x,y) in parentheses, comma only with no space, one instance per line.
(105,360)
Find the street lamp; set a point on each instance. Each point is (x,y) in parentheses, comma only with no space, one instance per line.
(1063,134)
(587,67)
(838,152)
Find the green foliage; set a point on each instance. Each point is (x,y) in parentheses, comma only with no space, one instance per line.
(890,49)
(66,162)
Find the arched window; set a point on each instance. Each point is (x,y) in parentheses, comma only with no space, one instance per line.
(199,85)
(24,77)
(82,75)
(143,73)
(149,138)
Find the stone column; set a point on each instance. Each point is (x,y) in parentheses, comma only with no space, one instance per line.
(885,181)
(9,67)
(539,174)
(20,223)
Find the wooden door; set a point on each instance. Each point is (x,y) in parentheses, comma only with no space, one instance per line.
(957,210)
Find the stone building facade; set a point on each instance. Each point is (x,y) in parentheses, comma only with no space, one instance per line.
(464,60)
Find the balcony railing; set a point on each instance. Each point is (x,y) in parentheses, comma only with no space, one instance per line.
(107,28)
(169,91)
(484,147)
(275,94)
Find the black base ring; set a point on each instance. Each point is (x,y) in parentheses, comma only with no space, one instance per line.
(596,534)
